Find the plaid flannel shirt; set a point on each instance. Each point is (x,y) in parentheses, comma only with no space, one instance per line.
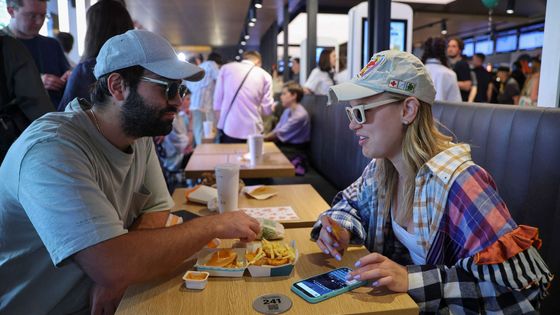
(463,226)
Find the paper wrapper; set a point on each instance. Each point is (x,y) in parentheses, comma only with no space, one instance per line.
(260,192)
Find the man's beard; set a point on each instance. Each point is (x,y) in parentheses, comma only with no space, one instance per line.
(139,119)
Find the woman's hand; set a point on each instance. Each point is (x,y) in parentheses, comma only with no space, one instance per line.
(383,271)
(333,239)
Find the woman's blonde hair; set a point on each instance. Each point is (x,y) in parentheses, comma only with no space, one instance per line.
(422,141)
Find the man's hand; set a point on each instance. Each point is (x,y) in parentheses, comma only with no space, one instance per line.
(235,224)
(383,271)
(104,301)
(52,82)
(333,239)
(66,75)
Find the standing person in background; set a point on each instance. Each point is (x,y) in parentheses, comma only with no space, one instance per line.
(530,92)
(294,75)
(66,41)
(520,69)
(243,93)
(445,79)
(27,18)
(105,19)
(508,92)
(483,78)
(322,77)
(202,99)
(22,95)
(461,67)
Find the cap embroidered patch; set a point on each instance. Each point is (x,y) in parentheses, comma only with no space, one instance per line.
(375,61)
(402,85)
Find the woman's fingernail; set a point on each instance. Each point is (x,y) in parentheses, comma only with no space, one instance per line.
(375,284)
(335,244)
(329,229)
(348,277)
(357,264)
(338,258)
(357,277)
(326,251)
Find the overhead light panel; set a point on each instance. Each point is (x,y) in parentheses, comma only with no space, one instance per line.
(243,43)
(510,7)
(258,4)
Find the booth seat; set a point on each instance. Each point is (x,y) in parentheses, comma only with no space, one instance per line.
(519,147)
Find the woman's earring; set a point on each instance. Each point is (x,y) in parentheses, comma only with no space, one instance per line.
(405,122)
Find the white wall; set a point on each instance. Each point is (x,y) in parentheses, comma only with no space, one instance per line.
(328,25)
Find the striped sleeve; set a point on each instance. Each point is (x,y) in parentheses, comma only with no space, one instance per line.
(515,286)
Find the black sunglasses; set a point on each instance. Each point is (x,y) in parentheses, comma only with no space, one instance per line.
(171,88)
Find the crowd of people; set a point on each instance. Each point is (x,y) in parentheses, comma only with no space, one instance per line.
(130,114)
(473,81)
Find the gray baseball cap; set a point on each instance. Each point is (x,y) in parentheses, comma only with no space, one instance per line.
(388,71)
(145,49)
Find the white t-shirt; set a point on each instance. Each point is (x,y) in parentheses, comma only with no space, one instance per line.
(445,81)
(319,82)
(65,188)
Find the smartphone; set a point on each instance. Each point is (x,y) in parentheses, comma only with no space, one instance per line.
(186,215)
(321,287)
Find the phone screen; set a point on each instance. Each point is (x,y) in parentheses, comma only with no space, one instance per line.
(325,283)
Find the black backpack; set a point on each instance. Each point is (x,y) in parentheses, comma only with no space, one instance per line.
(12,120)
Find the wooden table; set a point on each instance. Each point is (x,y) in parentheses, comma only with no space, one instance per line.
(207,155)
(304,199)
(236,295)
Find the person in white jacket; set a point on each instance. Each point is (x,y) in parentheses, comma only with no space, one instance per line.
(445,79)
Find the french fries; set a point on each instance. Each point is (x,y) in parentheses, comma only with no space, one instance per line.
(271,253)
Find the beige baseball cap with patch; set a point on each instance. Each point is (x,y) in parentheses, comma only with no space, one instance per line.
(387,71)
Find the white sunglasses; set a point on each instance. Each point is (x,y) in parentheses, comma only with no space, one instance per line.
(358,113)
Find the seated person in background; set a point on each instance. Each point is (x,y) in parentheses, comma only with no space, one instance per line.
(508,92)
(93,223)
(176,147)
(431,218)
(294,126)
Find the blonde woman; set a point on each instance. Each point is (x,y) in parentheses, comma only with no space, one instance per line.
(431,218)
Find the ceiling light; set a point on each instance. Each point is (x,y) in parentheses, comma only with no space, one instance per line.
(252,15)
(237,58)
(510,7)
(258,4)
(240,50)
(443,27)
(251,24)
(247,36)
(243,43)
